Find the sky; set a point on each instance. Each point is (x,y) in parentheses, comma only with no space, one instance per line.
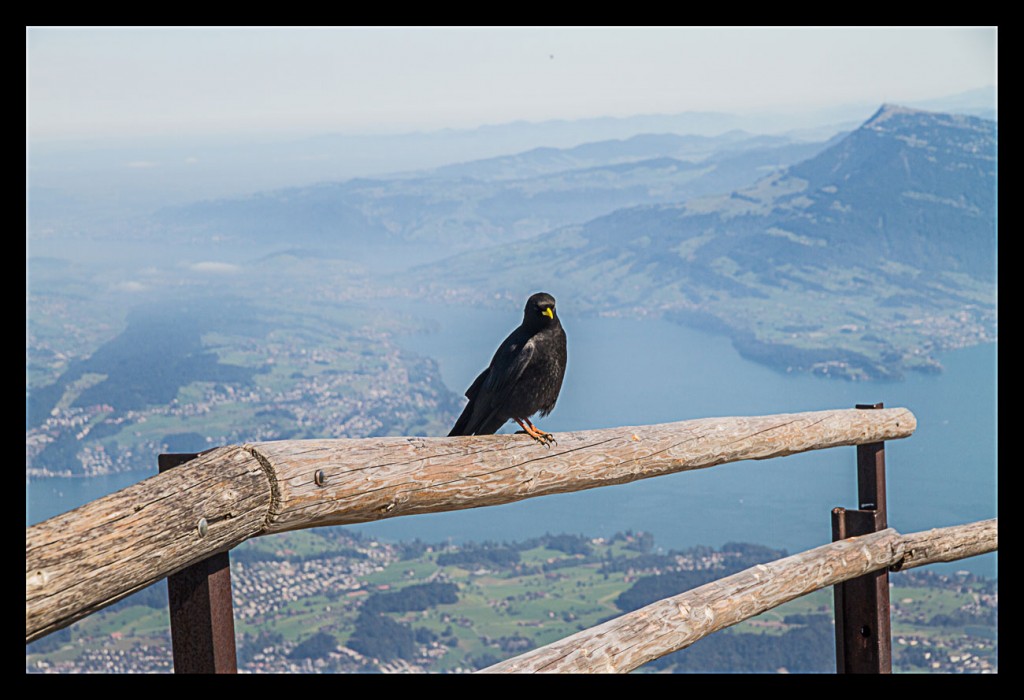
(104,82)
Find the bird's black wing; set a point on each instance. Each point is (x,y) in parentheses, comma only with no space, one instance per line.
(493,396)
(489,394)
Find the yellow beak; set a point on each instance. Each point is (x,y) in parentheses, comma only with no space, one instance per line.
(549,312)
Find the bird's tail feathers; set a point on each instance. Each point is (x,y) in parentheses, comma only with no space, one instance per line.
(463,422)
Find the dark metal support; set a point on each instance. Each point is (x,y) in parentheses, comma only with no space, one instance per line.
(863,626)
(202,617)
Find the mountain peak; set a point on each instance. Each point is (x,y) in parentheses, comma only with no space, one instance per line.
(888,111)
(890,116)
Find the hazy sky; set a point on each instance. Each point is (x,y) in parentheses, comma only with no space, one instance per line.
(88,82)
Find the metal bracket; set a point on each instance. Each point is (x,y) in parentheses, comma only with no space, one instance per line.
(863,625)
(199,598)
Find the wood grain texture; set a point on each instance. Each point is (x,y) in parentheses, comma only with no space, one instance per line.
(92,556)
(631,640)
(949,543)
(372,479)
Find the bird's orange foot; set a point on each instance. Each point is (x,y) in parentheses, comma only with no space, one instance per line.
(544,438)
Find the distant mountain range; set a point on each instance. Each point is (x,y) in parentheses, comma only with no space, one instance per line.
(861,261)
(101,187)
(547,160)
(476,204)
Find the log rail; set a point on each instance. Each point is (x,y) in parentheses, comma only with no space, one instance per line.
(631,640)
(83,560)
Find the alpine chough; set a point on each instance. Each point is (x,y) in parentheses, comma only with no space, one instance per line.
(524,377)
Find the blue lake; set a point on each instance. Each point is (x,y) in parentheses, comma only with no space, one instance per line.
(633,372)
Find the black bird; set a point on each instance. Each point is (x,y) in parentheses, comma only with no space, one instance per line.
(525,376)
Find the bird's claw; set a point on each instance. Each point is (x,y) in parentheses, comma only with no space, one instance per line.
(546,439)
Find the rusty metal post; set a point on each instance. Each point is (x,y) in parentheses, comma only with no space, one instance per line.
(863,625)
(202,617)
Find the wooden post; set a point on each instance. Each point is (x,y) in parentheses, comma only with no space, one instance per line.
(199,598)
(863,626)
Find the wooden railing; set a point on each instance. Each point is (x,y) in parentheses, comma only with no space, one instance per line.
(90,557)
(631,640)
